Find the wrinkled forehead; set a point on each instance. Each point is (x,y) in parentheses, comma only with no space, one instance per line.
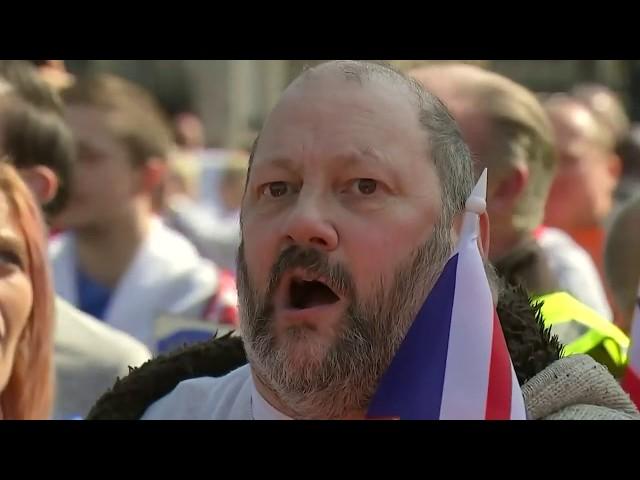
(328,115)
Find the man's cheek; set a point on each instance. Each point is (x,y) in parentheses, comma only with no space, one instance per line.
(369,273)
(258,267)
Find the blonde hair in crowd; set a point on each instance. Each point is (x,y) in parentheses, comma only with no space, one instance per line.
(520,131)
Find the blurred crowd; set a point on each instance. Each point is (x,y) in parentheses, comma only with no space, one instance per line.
(120,226)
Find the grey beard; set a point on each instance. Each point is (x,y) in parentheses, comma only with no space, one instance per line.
(345,378)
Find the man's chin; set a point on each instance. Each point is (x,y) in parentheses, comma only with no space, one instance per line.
(77,224)
(65,221)
(303,347)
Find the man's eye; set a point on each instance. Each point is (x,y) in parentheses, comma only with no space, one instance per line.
(364,186)
(276,189)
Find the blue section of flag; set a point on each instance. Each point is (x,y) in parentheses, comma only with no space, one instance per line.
(182,338)
(411,388)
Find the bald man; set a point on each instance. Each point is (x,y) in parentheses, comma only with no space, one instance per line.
(581,196)
(353,204)
(607,107)
(509,133)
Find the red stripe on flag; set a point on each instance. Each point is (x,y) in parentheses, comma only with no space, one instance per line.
(631,384)
(499,391)
(538,232)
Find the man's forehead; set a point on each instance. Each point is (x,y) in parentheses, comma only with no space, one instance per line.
(341,158)
(337,91)
(337,111)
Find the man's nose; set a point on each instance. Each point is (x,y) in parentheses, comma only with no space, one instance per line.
(309,226)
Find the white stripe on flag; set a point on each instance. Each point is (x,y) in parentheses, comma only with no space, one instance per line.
(466,379)
(518,410)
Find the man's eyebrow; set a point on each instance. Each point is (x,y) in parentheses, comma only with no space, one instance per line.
(281,162)
(363,155)
(354,158)
(278,162)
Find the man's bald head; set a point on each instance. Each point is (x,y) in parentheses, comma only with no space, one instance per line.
(443,142)
(573,118)
(622,259)
(607,106)
(588,169)
(356,181)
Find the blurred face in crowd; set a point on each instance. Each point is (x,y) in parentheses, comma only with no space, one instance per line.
(105,181)
(16,293)
(341,239)
(476,129)
(587,173)
(189,131)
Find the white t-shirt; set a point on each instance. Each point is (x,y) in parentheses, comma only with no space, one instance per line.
(261,409)
(231,397)
(167,276)
(214,232)
(574,269)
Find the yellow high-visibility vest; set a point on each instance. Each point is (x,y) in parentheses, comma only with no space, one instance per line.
(591,333)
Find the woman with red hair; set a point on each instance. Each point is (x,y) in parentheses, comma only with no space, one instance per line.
(26,304)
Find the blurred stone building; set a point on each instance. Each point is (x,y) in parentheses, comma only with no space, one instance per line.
(233,96)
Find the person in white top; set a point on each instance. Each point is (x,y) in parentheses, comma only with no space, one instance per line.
(166,276)
(347,219)
(115,259)
(508,131)
(233,397)
(352,208)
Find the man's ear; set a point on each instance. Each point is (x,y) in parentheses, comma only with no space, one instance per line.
(42,181)
(484,239)
(614,166)
(457,226)
(153,173)
(510,186)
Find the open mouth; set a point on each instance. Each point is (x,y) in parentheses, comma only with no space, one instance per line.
(310,293)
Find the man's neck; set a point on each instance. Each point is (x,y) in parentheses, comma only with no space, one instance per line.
(105,252)
(272,399)
(503,243)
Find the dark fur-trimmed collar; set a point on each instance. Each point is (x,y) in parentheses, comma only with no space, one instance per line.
(530,345)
